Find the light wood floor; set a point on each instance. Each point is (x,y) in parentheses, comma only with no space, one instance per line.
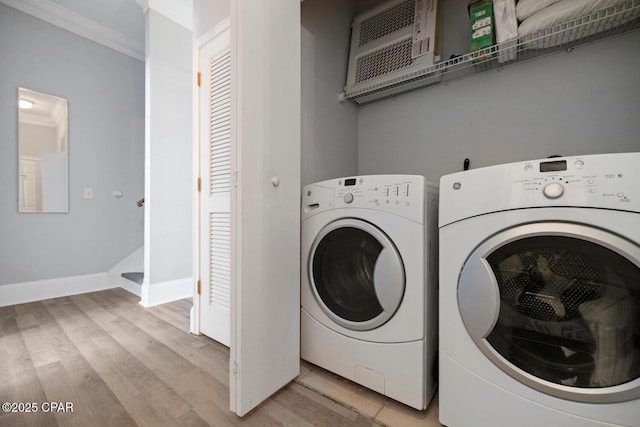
(120,364)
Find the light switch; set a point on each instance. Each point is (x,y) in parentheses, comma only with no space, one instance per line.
(88,193)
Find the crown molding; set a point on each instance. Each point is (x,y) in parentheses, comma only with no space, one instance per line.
(179,11)
(214,32)
(73,22)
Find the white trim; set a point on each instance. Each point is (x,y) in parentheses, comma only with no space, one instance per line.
(235,353)
(129,286)
(66,19)
(179,12)
(131,263)
(212,33)
(20,293)
(32,158)
(161,293)
(194,314)
(193,327)
(26,119)
(146,259)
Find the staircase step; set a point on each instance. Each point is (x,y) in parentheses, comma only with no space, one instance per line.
(135,277)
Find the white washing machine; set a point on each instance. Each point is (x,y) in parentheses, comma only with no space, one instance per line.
(540,294)
(369,282)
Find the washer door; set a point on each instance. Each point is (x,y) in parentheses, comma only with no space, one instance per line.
(557,307)
(356,274)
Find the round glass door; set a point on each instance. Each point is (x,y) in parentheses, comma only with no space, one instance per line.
(357,274)
(567,318)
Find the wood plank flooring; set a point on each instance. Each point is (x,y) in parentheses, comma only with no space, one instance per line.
(120,364)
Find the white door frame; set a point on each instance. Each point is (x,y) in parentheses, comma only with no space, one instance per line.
(197,250)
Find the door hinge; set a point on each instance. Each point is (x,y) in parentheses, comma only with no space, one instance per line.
(199,78)
(198,287)
(199,184)
(234,368)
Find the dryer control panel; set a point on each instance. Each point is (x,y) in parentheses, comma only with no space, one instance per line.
(609,181)
(402,195)
(562,177)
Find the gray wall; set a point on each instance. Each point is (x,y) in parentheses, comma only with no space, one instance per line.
(583,102)
(329,128)
(105,90)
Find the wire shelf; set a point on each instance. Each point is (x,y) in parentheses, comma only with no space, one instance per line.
(598,25)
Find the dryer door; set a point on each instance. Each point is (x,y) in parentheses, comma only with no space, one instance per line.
(357,274)
(557,306)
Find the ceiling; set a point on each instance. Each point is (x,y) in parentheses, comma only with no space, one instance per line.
(118,24)
(46,109)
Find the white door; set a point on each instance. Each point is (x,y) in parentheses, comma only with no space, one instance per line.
(55,182)
(215,203)
(265,321)
(28,185)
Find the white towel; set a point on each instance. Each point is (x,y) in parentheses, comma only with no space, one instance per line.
(562,11)
(526,8)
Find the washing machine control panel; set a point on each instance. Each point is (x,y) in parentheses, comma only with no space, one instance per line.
(609,181)
(585,178)
(399,194)
(396,194)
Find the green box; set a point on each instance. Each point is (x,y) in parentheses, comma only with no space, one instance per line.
(482,28)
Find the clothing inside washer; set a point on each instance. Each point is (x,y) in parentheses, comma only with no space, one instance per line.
(570,311)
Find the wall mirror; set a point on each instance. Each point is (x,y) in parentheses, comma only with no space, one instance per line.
(43,143)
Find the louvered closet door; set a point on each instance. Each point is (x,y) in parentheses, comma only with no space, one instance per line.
(215,217)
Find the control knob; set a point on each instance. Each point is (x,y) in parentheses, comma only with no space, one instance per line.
(348,198)
(553,190)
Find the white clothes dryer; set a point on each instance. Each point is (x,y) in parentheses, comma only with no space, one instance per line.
(368,285)
(540,293)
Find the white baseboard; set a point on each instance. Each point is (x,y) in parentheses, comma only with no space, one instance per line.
(20,293)
(130,264)
(129,285)
(163,292)
(154,294)
(193,328)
